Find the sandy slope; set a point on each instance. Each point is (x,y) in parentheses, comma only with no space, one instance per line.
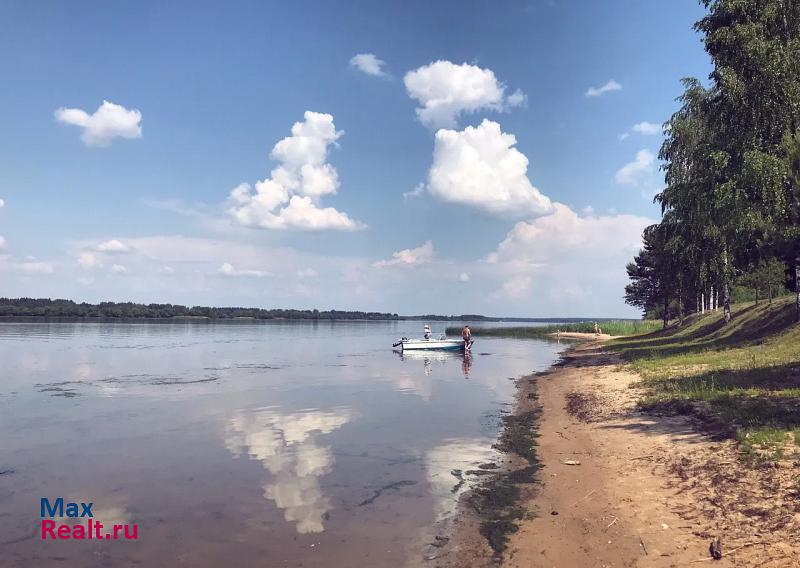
(613,509)
(649,491)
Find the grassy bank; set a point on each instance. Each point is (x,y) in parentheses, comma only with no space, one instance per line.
(742,378)
(614,327)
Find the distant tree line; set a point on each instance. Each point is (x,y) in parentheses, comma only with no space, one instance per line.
(45,307)
(462,317)
(731,205)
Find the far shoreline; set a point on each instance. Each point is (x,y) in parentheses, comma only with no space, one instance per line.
(207,319)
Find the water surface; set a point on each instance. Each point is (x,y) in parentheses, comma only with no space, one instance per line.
(244,443)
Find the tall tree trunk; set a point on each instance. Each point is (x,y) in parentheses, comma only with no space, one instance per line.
(797,288)
(712,304)
(703,302)
(726,302)
(756,289)
(666,309)
(726,295)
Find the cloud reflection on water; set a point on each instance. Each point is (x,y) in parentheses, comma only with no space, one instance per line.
(285,444)
(109,510)
(421,385)
(442,461)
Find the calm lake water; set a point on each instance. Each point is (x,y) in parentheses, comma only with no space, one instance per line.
(244,444)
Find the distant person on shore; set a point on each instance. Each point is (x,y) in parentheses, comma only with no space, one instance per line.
(427,331)
(596,329)
(466,335)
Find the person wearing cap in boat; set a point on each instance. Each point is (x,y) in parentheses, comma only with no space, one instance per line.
(427,331)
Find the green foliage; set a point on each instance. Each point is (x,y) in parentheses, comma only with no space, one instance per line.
(731,205)
(765,281)
(656,274)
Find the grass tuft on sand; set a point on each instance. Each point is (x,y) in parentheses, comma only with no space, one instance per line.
(744,377)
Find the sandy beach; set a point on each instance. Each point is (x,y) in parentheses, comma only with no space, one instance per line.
(622,488)
(581,336)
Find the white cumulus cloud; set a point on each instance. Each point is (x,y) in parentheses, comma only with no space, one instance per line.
(418,191)
(227,269)
(118,269)
(87,259)
(644,128)
(109,121)
(2,203)
(445,90)
(463,277)
(368,63)
(647,128)
(2,242)
(409,257)
(552,238)
(113,246)
(567,251)
(290,197)
(612,85)
(635,172)
(479,167)
(516,287)
(517,99)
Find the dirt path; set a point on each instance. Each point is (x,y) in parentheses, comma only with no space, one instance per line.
(628,502)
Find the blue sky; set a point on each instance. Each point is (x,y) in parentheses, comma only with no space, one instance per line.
(135,202)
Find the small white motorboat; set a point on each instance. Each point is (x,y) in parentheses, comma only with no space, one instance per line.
(428,343)
(441,344)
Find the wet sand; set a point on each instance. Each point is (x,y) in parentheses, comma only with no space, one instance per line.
(621,488)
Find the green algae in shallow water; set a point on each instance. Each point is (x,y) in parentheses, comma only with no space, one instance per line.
(519,435)
(528,474)
(497,500)
(496,532)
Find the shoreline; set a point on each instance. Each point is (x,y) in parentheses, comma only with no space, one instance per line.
(601,499)
(628,501)
(467,541)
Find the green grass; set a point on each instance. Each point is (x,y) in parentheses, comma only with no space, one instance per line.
(615,327)
(744,377)
(763,444)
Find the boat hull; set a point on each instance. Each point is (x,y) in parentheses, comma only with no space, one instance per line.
(432,345)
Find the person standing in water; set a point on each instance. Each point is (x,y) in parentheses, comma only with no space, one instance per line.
(466,335)
(427,331)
